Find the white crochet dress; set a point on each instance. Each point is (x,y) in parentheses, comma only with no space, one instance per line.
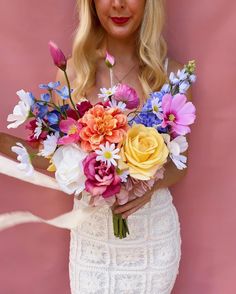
(146,262)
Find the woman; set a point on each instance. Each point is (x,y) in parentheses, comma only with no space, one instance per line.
(147,261)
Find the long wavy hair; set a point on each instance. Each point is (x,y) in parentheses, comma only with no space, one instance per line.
(151,46)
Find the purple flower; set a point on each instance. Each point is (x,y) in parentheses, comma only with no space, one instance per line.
(57,56)
(128,95)
(177,113)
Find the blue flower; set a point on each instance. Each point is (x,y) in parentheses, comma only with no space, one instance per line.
(52,118)
(50,86)
(39,109)
(64,92)
(147,117)
(45,97)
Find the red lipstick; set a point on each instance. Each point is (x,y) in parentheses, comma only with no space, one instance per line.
(120,20)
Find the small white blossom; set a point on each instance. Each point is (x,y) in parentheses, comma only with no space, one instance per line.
(183,87)
(117,104)
(165,88)
(192,78)
(108,154)
(106,93)
(182,74)
(21,110)
(123,174)
(157,108)
(49,145)
(173,79)
(177,146)
(24,158)
(38,129)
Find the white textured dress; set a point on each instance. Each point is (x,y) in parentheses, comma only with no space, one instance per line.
(145,262)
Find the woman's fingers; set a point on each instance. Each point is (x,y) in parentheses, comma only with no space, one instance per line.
(129,205)
(134,209)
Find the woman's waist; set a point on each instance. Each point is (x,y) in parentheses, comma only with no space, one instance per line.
(160,199)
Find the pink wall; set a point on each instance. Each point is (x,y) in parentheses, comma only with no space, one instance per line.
(34,257)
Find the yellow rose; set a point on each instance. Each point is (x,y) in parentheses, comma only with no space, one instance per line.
(143,152)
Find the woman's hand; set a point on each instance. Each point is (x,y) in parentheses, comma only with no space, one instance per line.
(133,205)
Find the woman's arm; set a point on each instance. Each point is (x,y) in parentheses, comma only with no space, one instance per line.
(7,141)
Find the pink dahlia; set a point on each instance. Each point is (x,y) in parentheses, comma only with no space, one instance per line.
(101,180)
(177,113)
(128,95)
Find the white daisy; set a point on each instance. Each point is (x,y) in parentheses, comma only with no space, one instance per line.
(117,104)
(21,110)
(38,129)
(157,108)
(24,158)
(108,154)
(106,93)
(49,145)
(177,146)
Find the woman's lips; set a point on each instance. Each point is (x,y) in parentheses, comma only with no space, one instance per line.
(120,20)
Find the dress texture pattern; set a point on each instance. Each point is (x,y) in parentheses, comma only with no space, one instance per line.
(145,262)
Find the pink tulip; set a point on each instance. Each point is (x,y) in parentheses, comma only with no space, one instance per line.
(128,95)
(177,113)
(101,180)
(110,60)
(57,56)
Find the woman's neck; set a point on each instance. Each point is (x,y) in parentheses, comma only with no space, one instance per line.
(124,50)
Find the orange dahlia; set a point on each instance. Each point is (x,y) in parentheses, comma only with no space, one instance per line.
(102,124)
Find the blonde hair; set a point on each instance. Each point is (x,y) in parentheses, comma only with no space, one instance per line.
(151,47)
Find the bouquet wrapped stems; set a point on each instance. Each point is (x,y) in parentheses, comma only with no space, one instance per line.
(120,226)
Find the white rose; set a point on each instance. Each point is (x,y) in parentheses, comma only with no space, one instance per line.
(69,168)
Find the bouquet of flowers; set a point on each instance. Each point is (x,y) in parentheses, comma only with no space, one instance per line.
(113,155)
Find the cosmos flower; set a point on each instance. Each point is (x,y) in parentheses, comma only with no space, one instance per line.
(24,158)
(22,110)
(178,113)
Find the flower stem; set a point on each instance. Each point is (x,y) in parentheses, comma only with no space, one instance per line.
(120,226)
(111,77)
(69,88)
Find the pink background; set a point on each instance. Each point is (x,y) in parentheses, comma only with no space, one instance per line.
(34,257)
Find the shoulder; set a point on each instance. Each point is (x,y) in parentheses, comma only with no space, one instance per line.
(174,66)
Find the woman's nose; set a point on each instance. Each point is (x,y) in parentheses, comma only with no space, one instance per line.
(118,3)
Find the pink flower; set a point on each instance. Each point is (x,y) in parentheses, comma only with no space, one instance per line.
(101,180)
(128,95)
(135,188)
(177,113)
(72,128)
(57,56)
(110,60)
(83,106)
(32,140)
